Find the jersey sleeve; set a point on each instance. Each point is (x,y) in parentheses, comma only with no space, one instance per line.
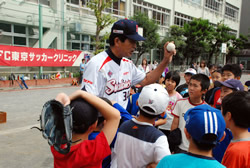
(92,78)
(161,148)
(137,75)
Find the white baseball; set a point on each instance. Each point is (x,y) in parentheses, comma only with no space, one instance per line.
(170,47)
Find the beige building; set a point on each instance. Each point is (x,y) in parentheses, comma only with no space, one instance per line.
(71,25)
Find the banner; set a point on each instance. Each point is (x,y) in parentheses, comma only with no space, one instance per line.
(26,56)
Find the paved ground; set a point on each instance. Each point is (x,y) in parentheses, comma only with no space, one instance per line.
(19,145)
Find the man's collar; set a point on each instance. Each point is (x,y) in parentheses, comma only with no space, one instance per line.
(113,57)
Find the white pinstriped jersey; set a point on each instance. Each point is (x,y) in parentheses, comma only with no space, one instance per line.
(107,76)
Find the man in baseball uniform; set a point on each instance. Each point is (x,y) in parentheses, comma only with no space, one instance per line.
(110,73)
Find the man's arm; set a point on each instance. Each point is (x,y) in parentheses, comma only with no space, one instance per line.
(154,75)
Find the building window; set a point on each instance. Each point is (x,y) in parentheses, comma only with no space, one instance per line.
(19,29)
(196,2)
(5,27)
(117,8)
(44,2)
(214,5)
(20,41)
(181,19)
(159,14)
(83,42)
(233,32)
(231,11)
(18,35)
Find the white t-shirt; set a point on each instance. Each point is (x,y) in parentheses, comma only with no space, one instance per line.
(138,144)
(107,76)
(170,107)
(180,108)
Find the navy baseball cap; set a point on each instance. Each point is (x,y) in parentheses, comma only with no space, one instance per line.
(231,83)
(128,28)
(204,119)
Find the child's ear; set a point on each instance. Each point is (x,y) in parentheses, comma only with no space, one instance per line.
(204,91)
(237,78)
(228,116)
(93,126)
(187,133)
(224,135)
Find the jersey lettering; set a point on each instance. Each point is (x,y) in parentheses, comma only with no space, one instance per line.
(112,87)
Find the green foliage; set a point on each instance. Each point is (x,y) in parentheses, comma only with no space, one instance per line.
(220,35)
(235,46)
(198,32)
(150,29)
(176,34)
(102,20)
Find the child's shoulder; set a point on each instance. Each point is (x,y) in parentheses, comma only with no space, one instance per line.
(182,100)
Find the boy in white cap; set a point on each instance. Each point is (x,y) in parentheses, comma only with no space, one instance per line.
(204,128)
(138,142)
(183,89)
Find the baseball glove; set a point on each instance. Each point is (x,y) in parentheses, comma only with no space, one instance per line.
(56,125)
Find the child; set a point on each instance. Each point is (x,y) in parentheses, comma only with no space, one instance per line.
(215,76)
(197,87)
(236,112)
(227,87)
(83,152)
(204,128)
(172,80)
(138,142)
(183,89)
(229,71)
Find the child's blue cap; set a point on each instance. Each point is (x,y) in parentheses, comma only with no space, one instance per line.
(204,119)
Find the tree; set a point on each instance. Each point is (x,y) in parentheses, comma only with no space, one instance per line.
(236,44)
(149,32)
(220,34)
(197,33)
(102,20)
(175,34)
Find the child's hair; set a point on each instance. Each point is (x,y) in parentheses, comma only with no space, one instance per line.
(218,70)
(238,104)
(149,116)
(211,66)
(84,115)
(206,146)
(203,79)
(174,75)
(234,68)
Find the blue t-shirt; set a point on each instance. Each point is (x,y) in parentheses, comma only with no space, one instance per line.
(82,66)
(219,150)
(188,160)
(124,117)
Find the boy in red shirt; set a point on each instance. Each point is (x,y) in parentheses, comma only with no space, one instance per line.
(236,112)
(84,152)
